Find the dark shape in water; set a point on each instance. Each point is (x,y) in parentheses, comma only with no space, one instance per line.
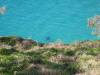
(47,38)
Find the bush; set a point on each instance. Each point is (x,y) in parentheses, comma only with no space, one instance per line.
(72,67)
(8,40)
(5,51)
(69,53)
(93,51)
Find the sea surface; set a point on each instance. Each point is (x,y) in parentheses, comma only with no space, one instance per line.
(49,20)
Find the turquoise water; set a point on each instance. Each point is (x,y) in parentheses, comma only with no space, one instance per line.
(49,20)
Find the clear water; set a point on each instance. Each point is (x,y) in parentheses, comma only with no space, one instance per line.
(49,20)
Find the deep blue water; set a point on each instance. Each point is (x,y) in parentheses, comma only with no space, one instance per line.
(49,20)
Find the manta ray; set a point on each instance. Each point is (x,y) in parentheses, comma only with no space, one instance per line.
(2,10)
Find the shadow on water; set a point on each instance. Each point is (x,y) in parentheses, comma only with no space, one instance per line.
(48,39)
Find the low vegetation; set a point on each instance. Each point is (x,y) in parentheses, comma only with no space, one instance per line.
(82,58)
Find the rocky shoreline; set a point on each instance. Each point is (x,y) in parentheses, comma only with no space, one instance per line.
(18,42)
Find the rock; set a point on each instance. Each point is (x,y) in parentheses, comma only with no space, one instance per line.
(28,43)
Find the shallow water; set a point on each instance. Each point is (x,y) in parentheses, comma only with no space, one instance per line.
(49,20)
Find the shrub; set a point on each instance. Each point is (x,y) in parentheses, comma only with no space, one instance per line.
(5,51)
(8,40)
(69,52)
(93,51)
(72,67)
